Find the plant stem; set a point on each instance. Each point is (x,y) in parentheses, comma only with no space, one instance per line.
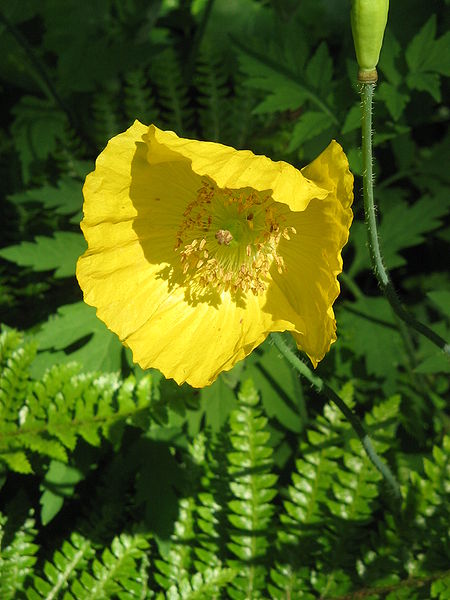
(322,387)
(381,273)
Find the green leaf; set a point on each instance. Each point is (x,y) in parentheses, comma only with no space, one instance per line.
(442,300)
(59,483)
(353,119)
(319,71)
(45,253)
(395,100)
(390,51)
(425,82)
(64,199)
(37,128)
(404,226)
(284,87)
(308,126)
(425,53)
(435,363)
(280,388)
(427,58)
(74,322)
(368,328)
(217,400)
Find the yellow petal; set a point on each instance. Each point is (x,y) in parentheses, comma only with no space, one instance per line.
(136,201)
(313,255)
(196,342)
(235,168)
(131,212)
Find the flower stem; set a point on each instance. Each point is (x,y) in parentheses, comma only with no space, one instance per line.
(322,387)
(381,273)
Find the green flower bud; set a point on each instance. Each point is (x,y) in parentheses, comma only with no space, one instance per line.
(369,18)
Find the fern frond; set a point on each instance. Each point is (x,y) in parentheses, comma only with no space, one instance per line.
(411,552)
(108,509)
(15,360)
(242,121)
(331,501)
(212,84)
(49,415)
(212,522)
(69,154)
(139,101)
(176,566)
(173,93)
(117,573)
(17,556)
(107,121)
(202,585)
(57,575)
(252,486)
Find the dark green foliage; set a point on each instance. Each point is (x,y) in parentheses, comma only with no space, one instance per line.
(252,489)
(331,527)
(47,416)
(212,83)
(173,93)
(118,484)
(18,551)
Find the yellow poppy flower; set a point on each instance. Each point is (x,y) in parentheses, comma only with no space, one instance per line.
(197,251)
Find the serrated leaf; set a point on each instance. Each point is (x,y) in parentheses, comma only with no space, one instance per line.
(72,323)
(309,125)
(404,226)
(368,328)
(353,119)
(16,461)
(319,71)
(64,199)
(442,300)
(46,253)
(436,363)
(390,51)
(394,99)
(425,82)
(425,53)
(36,130)
(427,58)
(421,45)
(284,88)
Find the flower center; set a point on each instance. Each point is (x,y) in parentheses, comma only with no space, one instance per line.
(228,238)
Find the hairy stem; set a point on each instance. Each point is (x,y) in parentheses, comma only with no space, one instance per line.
(322,387)
(381,273)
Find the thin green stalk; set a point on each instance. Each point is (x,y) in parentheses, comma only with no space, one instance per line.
(382,275)
(322,387)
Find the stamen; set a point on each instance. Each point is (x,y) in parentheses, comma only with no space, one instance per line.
(207,255)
